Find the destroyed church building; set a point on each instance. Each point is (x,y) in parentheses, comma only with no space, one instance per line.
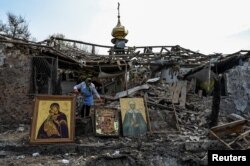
(189,95)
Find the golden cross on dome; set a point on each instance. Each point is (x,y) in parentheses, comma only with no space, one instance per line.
(118,8)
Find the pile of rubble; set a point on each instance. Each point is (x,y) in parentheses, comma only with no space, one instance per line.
(178,117)
(177,134)
(188,122)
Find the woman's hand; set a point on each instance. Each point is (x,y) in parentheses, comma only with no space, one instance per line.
(75,91)
(100,100)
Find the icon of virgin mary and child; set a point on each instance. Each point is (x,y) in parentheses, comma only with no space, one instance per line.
(55,126)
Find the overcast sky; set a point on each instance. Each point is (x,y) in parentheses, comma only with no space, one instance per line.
(221,26)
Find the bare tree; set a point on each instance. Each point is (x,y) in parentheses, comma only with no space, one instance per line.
(2,26)
(15,27)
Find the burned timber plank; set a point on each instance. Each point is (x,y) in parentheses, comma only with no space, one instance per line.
(177,92)
(232,127)
(183,93)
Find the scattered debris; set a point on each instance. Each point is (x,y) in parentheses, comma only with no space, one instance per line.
(64,161)
(2,154)
(35,154)
(20,129)
(117,152)
(20,157)
(234,117)
(232,129)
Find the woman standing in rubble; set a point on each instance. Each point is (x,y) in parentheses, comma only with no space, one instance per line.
(87,89)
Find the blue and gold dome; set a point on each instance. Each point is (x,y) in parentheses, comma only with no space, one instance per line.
(119,31)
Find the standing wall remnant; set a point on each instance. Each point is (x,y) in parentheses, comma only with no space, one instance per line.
(238,87)
(15,74)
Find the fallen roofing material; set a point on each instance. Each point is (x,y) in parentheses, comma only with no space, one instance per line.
(126,93)
(236,127)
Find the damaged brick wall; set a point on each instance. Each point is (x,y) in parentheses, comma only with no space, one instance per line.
(238,89)
(15,75)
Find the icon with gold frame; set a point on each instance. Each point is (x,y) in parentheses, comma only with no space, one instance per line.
(53,119)
(106,122)
(134,117)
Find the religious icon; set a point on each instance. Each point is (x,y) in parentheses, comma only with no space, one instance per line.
(53,119)
(134,121)
(106,122)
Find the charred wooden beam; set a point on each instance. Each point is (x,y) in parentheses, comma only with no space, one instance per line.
(81,42)
(228,128)
(216,103)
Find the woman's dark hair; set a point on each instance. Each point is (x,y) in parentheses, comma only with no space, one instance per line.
(55,105)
